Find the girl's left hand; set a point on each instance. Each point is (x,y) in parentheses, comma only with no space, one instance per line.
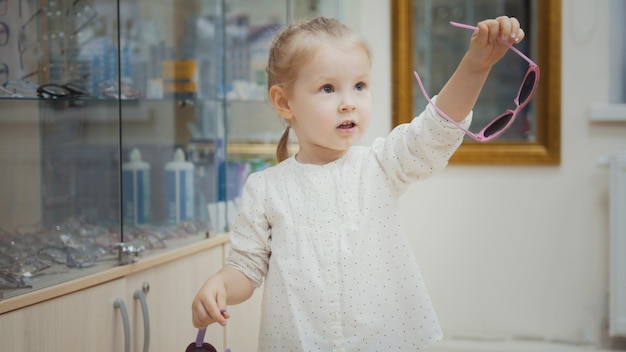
(487,45)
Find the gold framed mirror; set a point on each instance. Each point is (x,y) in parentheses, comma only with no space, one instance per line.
(544,147)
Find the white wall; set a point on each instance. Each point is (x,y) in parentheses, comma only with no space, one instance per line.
(518,251)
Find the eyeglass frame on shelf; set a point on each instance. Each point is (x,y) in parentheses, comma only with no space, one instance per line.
(480,136)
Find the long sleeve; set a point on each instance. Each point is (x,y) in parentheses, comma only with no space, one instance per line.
(250,247)
(418,149)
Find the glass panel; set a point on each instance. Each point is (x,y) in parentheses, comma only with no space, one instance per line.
(79,174)
(172,120)
(59,185)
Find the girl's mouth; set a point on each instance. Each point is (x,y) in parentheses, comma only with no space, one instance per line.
(347,125)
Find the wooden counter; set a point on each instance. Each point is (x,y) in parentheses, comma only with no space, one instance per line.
(149,260)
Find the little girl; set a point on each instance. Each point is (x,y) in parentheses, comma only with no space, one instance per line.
(320,229)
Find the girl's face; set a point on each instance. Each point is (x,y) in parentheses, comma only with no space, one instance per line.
(330,103)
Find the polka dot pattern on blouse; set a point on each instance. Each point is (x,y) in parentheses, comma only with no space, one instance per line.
(326,242)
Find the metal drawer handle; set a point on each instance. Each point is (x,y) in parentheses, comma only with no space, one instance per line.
(118,303)
(146,318)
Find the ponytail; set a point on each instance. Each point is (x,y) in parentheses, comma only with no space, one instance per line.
(281,149)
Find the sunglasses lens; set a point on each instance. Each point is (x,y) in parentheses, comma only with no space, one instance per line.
(51,91)
(498,124)
(76,90)
(527,87)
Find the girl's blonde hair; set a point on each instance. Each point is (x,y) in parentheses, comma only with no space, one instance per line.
(295,46)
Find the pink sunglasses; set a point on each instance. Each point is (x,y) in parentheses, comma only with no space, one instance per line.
(501,123)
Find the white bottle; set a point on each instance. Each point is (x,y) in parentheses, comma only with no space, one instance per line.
(135,190)
(179,189)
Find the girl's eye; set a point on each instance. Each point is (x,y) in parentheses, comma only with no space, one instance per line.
(359,86)
(327,88)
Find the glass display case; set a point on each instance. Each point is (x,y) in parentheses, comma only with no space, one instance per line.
(128,126)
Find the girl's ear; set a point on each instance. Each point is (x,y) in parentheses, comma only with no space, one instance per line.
(281,103)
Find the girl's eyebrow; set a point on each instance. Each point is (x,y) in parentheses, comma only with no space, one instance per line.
(330,78)
(366,75)
(321,81)
(324,78)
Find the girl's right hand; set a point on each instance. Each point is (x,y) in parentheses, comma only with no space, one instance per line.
(488,43)
(209,305)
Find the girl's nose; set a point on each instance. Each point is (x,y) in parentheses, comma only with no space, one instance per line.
(347,104)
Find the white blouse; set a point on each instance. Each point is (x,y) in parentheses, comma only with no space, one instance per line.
(326,239)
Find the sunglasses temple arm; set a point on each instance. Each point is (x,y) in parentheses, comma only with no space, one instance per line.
(200,337)
(474,28)
(443,114)
(530,62)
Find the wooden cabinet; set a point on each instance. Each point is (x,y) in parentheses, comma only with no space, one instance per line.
(84,320)
(87,319)
(172,288)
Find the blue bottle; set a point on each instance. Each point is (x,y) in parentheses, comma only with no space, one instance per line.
(179,189)
(135,190)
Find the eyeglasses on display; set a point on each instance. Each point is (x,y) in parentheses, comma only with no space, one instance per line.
(20,88)
(57,91)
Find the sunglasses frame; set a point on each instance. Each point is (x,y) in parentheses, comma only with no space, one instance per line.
(199,345)
(480,136)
